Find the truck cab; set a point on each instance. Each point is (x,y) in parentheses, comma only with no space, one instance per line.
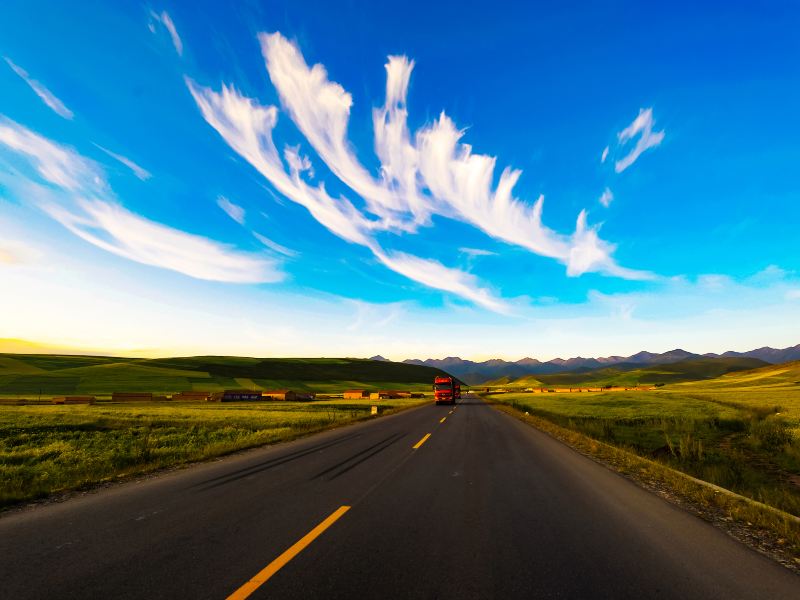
(446,390)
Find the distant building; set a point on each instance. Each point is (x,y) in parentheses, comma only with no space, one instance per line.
(191,396)
(132,397)
(288,395)
(73,400)
(355,394)
(235,396)
(388,394)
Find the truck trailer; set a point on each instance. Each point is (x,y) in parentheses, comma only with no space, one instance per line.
(446,390)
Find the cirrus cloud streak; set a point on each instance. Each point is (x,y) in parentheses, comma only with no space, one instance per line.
(48,97)
(431,172)
(428,173)
(642,126)
(246,126)
(79,197)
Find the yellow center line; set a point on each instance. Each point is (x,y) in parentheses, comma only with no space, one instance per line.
(442,420)
(264,574)
(422,441)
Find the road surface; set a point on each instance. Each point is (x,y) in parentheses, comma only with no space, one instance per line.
(483,507)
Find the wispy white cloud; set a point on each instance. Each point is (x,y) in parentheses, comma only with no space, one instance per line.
(393,145)
(435,275)
(140,172)
(714,282)
(56,105)
(164,18)
(463,181)
(606,197)
(433,173)
(372,317)
(272,245)
(604,156)
(247,128)
(84,203)
(298,163)
(769,274)
(234,211)
(588,253)
(643,127)
(476,252)
(793,294)
(321,110)
(56,164)
(429,173)
(113,228)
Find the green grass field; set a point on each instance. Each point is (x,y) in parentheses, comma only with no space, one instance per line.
(49,449)
(740,431)
(34,375)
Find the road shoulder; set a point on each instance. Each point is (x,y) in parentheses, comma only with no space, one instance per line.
(769,532)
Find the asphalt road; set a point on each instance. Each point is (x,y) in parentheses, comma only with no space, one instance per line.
(486,507)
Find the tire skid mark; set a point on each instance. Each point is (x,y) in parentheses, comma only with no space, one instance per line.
(269,464)
(353,461)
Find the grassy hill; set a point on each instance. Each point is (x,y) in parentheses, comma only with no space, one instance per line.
(786,375)
(631,374)
(526,381)
(48,374)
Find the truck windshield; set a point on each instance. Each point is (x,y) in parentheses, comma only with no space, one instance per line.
(441,387)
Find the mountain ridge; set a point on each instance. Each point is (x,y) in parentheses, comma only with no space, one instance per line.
(473,372)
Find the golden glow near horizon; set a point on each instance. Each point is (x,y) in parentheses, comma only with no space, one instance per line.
(61,302)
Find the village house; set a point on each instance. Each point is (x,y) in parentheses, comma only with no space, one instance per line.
(191,396)
(280,395)
(235,395)
(73,400)
(131,397)
(388,394)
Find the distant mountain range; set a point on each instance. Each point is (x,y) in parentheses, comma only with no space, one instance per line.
(477,372)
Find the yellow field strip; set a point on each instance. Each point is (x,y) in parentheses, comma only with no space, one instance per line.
(422,441)
(263,576)
(442,420)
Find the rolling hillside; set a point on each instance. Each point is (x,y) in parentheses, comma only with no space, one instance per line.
(786,375)
(633,374)
(47,374)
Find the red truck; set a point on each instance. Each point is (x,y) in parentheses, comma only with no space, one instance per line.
(446,390)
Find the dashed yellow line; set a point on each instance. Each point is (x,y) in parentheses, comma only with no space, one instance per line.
(442,419)
(264,574)
(422,441)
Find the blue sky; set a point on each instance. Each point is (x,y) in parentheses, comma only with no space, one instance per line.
(481,179)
